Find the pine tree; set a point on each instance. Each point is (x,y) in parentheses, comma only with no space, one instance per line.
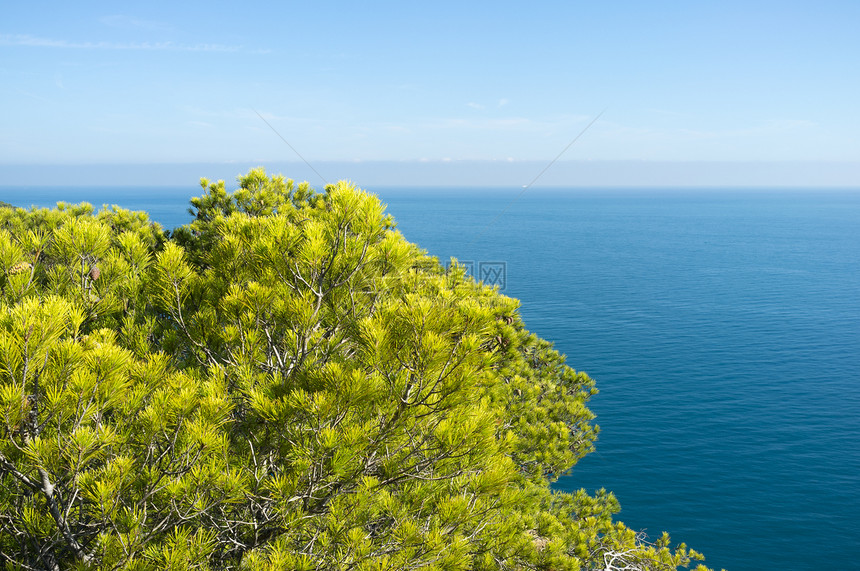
(284,383)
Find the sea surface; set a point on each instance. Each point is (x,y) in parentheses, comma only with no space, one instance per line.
(722,327)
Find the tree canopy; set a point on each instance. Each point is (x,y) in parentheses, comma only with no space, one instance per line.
(283,383)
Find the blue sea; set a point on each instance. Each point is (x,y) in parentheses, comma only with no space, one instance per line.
(722,327)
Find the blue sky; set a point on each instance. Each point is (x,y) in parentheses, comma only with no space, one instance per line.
(182,82)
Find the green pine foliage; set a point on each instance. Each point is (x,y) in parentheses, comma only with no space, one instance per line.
(284,383)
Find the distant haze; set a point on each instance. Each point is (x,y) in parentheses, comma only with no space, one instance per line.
(368,174)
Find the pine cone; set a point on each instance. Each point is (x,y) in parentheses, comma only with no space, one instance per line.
(20,267)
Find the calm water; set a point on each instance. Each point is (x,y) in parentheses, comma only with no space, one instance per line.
(723,328)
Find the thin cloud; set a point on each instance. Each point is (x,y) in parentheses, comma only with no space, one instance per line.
(499,104)
(769,127)
(507,123)
(24,40)
(500,124)
(33,95)
(121,21)
(666,112)
(791,124)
